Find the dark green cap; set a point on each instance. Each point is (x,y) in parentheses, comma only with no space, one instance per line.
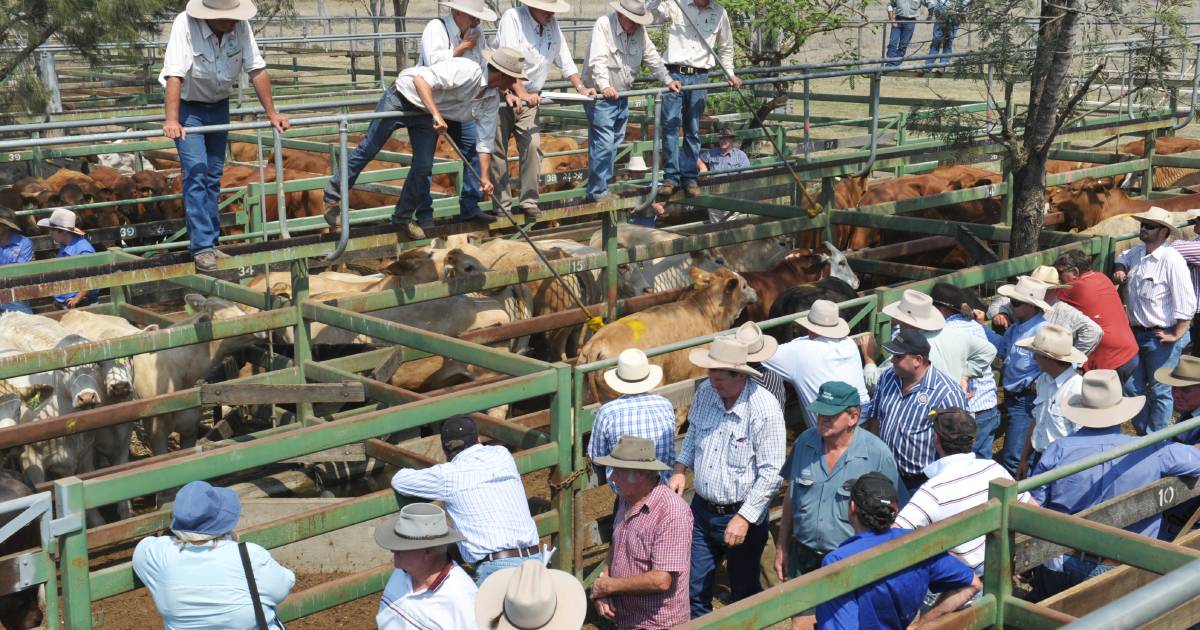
(833,398)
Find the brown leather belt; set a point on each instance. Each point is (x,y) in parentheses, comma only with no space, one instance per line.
(511,553)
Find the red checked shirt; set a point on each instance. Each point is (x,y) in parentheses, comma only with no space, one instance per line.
(654,535)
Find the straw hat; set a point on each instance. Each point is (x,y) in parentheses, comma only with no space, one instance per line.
(916,309)
(1026,290)
(824,319)
(221,9)
(725,353)
(1048,275)
(759,347)
(418,526)
(473,8)
(553,6)
(1099,404)
(1185,374)
(634,373)
(632,452)
(637,164)
(1158,216)
(1053,341)
(530,597)
(61,219)
(506,60)
(634,10)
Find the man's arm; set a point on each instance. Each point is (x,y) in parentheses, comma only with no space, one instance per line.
(171,127)
(725,50)
(435,43)
(430,483)
(768,437)
(980,355)
(653,60)
(784,539)
(262,87)
(648,583)
(1183,295)
(25,251)
(425,93)
(597,59)
(950,602)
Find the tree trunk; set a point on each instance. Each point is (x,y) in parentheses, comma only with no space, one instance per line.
(400,25)
(1029,199)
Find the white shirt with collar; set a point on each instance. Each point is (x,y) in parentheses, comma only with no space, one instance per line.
(542,46)
(1052,393)
(808,363)
(209,68)
(614,56)
(441,37)
(449,603)
(1159,287)
(461,93)
(684,46)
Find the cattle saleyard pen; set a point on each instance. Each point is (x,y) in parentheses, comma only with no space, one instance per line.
(302,382)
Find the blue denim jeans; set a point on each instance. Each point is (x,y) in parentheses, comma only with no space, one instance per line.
(1019,407)
(901,35)
(202,160)
(463,134)
(987,422)
(484,569)
(1048,582)
(686,108)
(708,547)
(606,129)
(1153,354)
(414,196)
(944,31)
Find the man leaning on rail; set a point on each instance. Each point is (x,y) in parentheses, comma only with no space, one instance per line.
(211,43)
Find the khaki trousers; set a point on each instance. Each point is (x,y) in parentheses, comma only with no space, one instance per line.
(524,128)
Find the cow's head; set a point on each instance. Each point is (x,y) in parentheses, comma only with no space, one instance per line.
(117,376)
(726,289)
(632,281)
(207,309)
(839,266)
(460,264)
(80,382)
(415,266)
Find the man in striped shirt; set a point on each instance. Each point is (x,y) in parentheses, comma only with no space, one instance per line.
(958,306)
(958,481)
(735,447)
(482,490)
(903,399)
(1161,303)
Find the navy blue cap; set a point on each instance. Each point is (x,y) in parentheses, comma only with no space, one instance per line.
(908,341)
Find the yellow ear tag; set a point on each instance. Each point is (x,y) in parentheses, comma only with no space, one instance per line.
(595,324)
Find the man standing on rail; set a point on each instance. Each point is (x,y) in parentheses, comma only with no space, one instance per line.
(1100,410)
(211,43)
(735,447)
(452,89)
(696,27)
(531,29)
(450,36)
(483,493)
(902,14)
(620,45)
(1161,302)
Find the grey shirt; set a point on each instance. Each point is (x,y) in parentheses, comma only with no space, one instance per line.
(905,8)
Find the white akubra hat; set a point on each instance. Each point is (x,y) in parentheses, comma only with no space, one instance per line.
(1026,290)
(473,8)
(553,6)
(759,347)
(418,526)
(1100,404)
(825,320)
(725,353)
(1160,217)
(1049,275)
(1185,374)
(637,164)
(61,219)
(1053,341)
(916,309)
(530,597)
(634,373)
(633,9)
(221,9)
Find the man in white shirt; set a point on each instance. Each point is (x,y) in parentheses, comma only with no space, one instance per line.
(958,481)
(454,89)
(619,47)
(826,354)
(532,30)
(207,50)
(1058,382)
(458,35)
(1161,303)
(427,589)
(696,27)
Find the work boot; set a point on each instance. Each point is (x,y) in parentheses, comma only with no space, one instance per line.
(482,219)
(220,254)
(205,261)
(666,189)
(691,189)
(409,227)
(531,213)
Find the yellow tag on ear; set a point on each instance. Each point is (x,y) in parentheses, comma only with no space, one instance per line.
(595,324)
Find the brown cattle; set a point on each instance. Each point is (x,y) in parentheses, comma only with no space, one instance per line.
(800,267)
(711,305)
(907,187)
(1090,201)
(155,184)
(1166,176)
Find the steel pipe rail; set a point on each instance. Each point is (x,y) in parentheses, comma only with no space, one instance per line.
(1145,604)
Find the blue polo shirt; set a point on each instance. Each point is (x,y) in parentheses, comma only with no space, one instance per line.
(894,601)
(77,247)
(1020,368)
(18,249)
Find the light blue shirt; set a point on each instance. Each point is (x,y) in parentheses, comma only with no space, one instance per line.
(18,249)
(77,247)
(204,587)
(717,160)
(1020,369)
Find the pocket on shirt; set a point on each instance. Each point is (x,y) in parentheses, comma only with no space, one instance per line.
(1152,289)
(842,507)
(739,454)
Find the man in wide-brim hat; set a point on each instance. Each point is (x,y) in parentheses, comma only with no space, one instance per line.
(71,241)
(1020,370)
(637,412)
(1085,332)
(1100,409)
(1184,380)
(15,247)
(1160,303)
(1058,382)
(427,589)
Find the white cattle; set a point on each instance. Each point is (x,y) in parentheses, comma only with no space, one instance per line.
(659,274)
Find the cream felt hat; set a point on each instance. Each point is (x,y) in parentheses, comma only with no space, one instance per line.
(634,10)
(916,309)
(759,347)
(1055,342)
(474,8)
(725,353)
(530,597)
(824,319)
(1026,290)
(634,373)
(221,9)
(1160,217)
(1185,374)
(1100,404)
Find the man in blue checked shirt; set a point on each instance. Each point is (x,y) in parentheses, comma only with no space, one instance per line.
(483,493)
(723,157)
(14,248)
(637,412)
(735,447)
(1020,367)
